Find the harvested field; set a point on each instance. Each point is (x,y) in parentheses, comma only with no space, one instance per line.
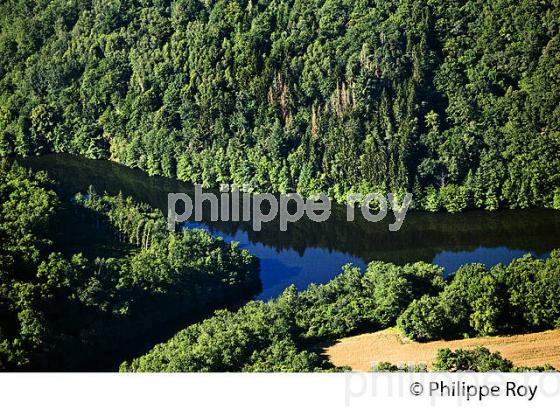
(359,352)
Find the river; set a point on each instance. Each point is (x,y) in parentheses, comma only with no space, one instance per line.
(310,252)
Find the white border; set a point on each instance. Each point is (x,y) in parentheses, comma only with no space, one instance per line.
(259,391)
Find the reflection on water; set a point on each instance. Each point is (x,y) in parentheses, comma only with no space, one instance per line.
(281,268)
(310,252)
(488,256)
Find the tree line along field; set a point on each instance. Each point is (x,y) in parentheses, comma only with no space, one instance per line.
(361,352)
(455,101)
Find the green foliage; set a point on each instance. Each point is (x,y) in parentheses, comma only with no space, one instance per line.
(517,298)
(456,101)
(342,306)
(27,204)
(424,319)
(455,198)
(372,300)
(539,369)
(479,359)
(385,367)
(66,312)
(556,204)
(258,337)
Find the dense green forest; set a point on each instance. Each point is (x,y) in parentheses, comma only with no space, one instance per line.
(509,299)
(80,299)
(455,101)
(286,334)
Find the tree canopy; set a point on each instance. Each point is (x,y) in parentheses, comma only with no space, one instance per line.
(457,102)
(61,310)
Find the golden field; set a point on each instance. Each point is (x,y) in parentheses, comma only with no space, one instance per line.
(359,352)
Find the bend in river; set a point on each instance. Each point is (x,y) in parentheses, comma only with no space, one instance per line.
(310,252)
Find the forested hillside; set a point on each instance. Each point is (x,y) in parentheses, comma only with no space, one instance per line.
(74,296)
(456,101)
